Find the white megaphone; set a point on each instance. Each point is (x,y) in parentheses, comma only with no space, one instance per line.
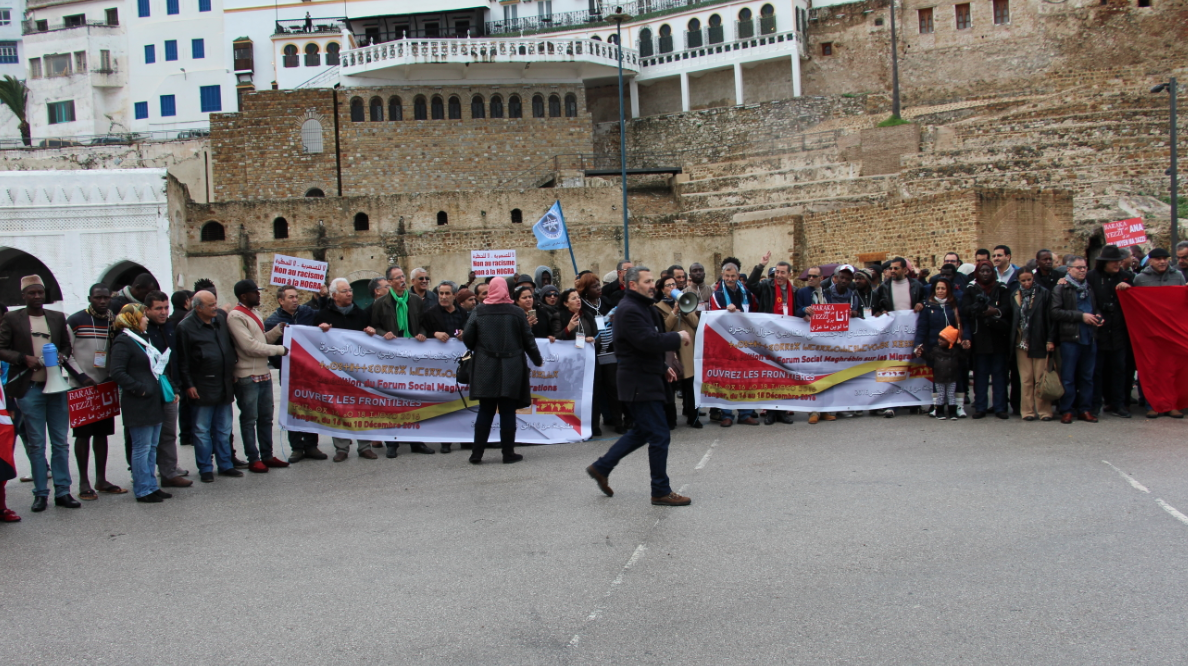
(53,372)
(687,301)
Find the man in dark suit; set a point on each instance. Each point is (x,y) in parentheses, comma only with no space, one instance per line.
(398,315)
(23,334)
(641,347)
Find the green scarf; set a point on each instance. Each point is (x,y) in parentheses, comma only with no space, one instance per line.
(401,312)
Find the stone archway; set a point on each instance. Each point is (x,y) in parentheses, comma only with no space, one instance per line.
(122,274)
(16,264)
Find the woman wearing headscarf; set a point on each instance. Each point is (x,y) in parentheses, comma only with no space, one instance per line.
(498,334)
(1033,335)
(139,369)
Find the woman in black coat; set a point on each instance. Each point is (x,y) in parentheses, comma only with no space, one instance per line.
(498,334)
(135,366)
(539,321)
(986,312)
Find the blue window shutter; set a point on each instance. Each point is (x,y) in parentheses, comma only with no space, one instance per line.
(141,110)
(197,49)
(150,54)
(171,7)
(168,106)
(204,5)
(211,98)
(171,49)
(143,6)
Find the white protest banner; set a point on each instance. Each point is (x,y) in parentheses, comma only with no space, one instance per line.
(498,263)
(305,274)
(763,361)
(349,384)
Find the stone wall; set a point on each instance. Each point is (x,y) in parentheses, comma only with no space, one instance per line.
(258,153)
(881,148)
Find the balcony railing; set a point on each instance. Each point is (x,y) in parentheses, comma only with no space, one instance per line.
(310,26)
(35,26)
(777,42)
(465,51)
(638,9)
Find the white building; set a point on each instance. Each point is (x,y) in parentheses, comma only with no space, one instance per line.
(116,67)
(47,217)
(12,58)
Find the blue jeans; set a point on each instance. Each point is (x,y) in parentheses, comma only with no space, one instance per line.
(42,412)
(212,433)
(255,417)
(742,413)
(144,459)
(987,367)
(1076,373)
(651,428)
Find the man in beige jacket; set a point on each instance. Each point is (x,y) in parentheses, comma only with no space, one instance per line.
(253,378)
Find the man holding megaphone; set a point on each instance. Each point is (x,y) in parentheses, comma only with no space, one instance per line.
(36,344)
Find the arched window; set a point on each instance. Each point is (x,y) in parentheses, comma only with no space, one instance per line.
(313,56)
(291,59)
(596,38)
(767,20)
(455,108)
(358,115)
(665,39)
(437,108)
(377,109)
(314,192)
(514,108)
(646,47)
(280,228)
(362,222)
(716,34)
(419,108)
(332,53)
(395,109)
(478,108)
(612,39)
(517,216)
(442,218)
(554,106)
(537,106)
(571,109)
(496,106)
(311,136)
(746,24)
(693,36)
(213,231)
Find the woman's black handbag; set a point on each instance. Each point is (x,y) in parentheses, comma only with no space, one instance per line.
(465,367)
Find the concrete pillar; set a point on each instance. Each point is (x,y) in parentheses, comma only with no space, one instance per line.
(684,91)
(634,88)
(738,84)
(796,74)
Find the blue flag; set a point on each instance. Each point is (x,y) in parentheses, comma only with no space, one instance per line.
(550,230)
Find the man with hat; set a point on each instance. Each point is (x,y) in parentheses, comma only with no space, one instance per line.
(1109,371)
(253,377)
(1158,272)
(23,334)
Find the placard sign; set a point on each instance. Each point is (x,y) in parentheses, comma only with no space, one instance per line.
(305,274)
(93,403)
(499,263)
(830,317)
(1125,232)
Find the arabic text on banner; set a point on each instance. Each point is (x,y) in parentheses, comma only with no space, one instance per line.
(305,274)
(766,361)
(93,403)
(498,263)
(348,384)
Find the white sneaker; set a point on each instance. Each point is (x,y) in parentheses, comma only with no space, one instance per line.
(887,413)
(960,411)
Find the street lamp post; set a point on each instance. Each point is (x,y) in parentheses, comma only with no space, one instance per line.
(894,66)
(1170,87)
(618,17)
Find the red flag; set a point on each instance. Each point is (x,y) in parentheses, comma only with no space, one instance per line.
(1159,335)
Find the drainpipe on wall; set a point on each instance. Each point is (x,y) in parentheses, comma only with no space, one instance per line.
(337,152)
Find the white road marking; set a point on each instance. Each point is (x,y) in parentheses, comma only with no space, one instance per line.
(1129,479)
(1172,510)
(706,457)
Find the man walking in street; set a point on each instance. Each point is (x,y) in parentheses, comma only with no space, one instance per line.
(302,445)
(1074,309)
(399,315)
(206,364)
(253,378)
(641,349)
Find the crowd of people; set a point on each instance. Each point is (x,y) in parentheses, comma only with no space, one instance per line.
(181,360)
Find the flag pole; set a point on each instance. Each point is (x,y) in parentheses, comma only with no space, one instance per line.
(567,241)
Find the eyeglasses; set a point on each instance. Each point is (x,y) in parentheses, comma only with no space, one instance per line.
(1077,268)
(423,279)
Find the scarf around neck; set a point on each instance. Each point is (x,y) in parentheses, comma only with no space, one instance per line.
(1026,300)
(401,311)
(1081,287)
(746,303)
(158,360)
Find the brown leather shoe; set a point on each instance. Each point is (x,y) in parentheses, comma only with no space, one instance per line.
(671,499)
(1088,417)
(1176,414)
(828,417)
(340,456)
(813,418)
(750,420)
(1152,414)
(177,482)
(369,454)
(603,483)
(1066,418)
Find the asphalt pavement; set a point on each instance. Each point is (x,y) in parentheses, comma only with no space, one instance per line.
(864,540)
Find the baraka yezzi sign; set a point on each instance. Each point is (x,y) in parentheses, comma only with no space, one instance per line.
(305,274)
(1125,233)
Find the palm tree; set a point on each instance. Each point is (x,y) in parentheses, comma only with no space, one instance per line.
(15,95)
